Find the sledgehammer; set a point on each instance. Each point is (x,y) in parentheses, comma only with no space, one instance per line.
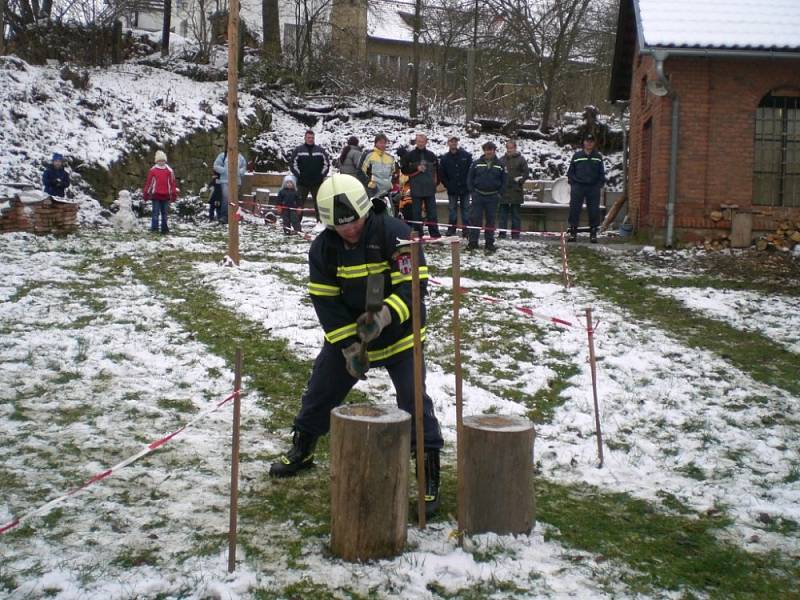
(373,304)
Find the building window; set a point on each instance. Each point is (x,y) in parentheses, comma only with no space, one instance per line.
(776,171)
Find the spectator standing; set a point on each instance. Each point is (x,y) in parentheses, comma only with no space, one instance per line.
(586,175)
(516,174)
(55,178)
(160,189)
(221,169)
(378,168)
(350,157)
(289,201)
(486,180)
(421,166)
(215,199)
(453,171)
(309,165)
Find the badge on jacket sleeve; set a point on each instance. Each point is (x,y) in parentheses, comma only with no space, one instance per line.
(404,263)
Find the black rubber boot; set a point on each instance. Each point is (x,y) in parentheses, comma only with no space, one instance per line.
(299,457)
(431,481)
(593,235)
(573,234)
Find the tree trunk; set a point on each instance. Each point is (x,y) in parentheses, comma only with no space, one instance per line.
(2,27)
(370,447)
(116,42)
(498,474)
(414,100)
(165,28)
(272,30)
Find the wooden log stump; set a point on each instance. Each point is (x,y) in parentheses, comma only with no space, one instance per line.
(370,447)
(498,474)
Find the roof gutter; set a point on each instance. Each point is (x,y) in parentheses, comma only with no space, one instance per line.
(719,52)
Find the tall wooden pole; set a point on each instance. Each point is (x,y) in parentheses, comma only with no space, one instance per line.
(455,248)
(233,130)
(237,404)
(416,323)
(593,363)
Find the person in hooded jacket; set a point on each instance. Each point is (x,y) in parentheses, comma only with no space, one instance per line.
(350,157)
(161,188)
(221,169)
(289,201)
(55,178)
(513,194)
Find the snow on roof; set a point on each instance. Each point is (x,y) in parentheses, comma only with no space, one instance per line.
(385,21)
(757,24)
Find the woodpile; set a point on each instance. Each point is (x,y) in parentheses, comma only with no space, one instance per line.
(717,243)
(785,237)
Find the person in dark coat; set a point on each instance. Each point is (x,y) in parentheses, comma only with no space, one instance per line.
(310,165)
(453,171)
(359,235)
(586,175)
(55,179)
(516,174)
(486,180)
(350,157)
(421,165)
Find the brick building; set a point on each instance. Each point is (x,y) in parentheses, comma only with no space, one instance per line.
(714,92)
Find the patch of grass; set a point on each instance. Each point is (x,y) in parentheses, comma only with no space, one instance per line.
(65,377)
(481,591)
(692,471)
(182,405)
(751,352)
(676,553)
(546,399)
(131,557)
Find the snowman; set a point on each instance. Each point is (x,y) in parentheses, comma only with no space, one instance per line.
(124,219)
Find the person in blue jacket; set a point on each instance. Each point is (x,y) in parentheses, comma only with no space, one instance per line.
(360,239)
(453,170)
(486,181)
(586,175)
(55,179)
(221,169)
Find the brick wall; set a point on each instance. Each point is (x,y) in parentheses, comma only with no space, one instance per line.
(718,101)
(46,216)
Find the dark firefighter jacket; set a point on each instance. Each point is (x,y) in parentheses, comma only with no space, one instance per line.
(338,277)
(585,169)
(487,178)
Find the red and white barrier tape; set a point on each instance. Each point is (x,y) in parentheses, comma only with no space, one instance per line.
(484,229)
(45,508)
(525,310)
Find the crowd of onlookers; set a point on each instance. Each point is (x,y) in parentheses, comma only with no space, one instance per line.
(484,193)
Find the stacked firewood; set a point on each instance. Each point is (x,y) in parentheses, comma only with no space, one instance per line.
(717,243)
(786,237)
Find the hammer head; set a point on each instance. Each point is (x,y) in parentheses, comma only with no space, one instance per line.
(374,292)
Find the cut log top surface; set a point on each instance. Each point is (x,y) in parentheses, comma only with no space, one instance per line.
(372,413)
(498,423)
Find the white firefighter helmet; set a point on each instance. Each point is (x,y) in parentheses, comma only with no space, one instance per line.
(342,199)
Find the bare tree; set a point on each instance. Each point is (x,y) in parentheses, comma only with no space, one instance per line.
(310,37)
(544,33)
(199,13)
(270,23)
(165,28)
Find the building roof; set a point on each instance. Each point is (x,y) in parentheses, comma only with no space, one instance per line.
(385,20)
(702,28)
(741,24)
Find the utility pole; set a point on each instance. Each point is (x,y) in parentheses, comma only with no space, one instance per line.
(233,131)
(470,104)
(413,103)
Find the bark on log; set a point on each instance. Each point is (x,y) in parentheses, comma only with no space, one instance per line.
(498,474)
(370,447)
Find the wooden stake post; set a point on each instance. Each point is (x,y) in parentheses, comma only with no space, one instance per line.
(455,248)
(237,386)
(233,131)
(416,301)
(593,363)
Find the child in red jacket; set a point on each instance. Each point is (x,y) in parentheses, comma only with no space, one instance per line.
(161,189)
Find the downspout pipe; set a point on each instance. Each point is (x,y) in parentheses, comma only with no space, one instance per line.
(660,56)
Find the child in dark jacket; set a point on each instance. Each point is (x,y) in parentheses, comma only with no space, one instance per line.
(55,178)
(289,201)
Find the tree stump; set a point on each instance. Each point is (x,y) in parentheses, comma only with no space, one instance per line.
(369,448)
(498,474)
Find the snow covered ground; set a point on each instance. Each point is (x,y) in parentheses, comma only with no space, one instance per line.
(93,368)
